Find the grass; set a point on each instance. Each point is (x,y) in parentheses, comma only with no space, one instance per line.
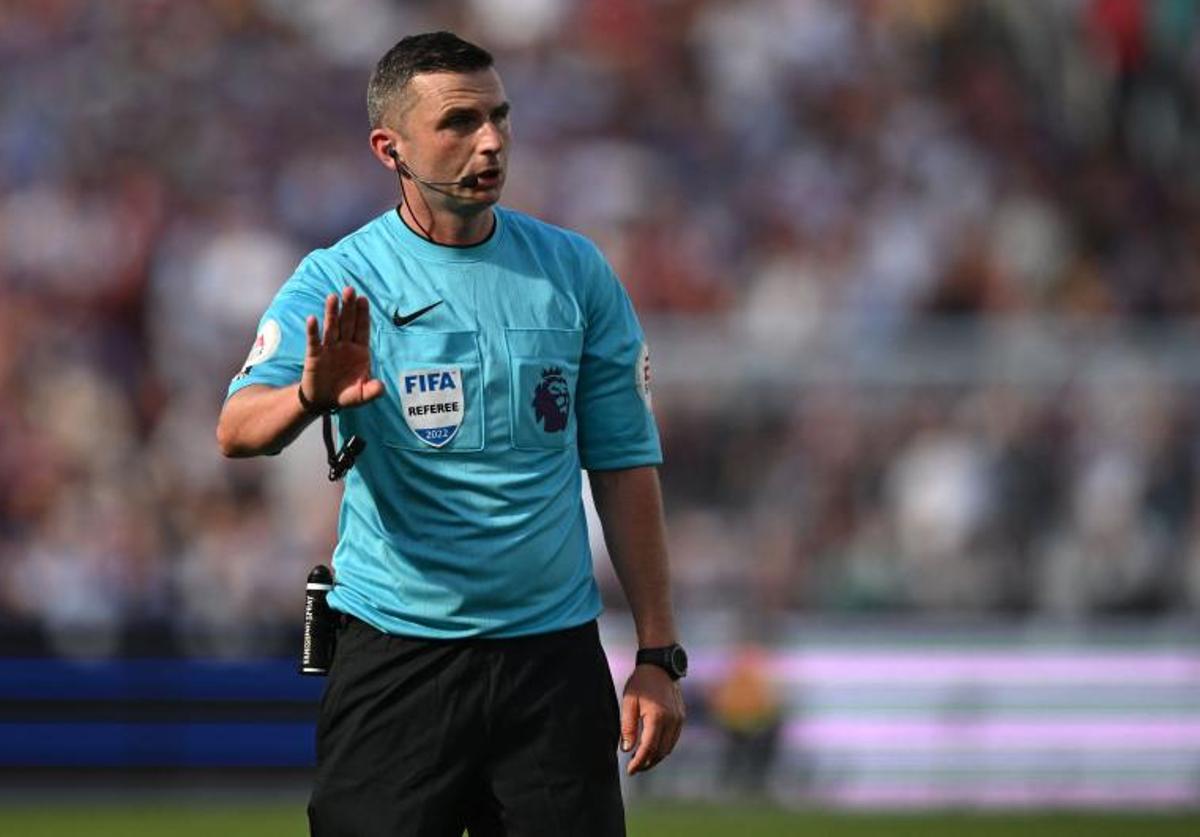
(249,820)
(713,820)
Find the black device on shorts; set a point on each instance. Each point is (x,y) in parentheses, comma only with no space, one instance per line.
(316,655)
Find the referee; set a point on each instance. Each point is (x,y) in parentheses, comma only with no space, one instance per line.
(486,357)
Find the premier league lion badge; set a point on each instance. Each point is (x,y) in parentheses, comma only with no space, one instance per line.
(552,400)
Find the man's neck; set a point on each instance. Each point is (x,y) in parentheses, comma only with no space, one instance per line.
(447,227)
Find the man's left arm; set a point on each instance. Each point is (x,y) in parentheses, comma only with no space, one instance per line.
(629,503)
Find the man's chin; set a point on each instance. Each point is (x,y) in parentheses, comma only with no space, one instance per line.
(488,193)
(472,206)
(478,200)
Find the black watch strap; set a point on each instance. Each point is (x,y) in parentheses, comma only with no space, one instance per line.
(670,658)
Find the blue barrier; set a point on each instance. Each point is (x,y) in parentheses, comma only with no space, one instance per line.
(171,744)
(43,703)
(155,679)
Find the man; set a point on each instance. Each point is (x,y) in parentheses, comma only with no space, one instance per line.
(485,357)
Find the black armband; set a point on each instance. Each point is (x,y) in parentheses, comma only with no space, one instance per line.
(311,408)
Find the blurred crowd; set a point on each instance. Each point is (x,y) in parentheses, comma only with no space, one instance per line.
(790,169)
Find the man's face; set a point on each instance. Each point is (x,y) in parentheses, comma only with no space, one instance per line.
(452,125)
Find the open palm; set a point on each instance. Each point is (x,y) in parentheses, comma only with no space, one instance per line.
(337,362)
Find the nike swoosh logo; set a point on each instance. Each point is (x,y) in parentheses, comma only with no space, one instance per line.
(399,320)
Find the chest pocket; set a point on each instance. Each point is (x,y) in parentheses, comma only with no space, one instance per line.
(543,374)
(434,383)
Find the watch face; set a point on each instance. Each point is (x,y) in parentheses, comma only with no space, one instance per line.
(679,660)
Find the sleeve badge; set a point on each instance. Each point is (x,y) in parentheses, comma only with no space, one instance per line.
(641,374)
(266,344)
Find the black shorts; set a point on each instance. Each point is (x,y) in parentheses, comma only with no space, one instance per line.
(497,736)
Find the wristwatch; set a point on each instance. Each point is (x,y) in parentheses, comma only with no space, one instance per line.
(670,658)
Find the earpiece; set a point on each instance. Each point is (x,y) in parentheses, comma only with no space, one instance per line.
(402,169)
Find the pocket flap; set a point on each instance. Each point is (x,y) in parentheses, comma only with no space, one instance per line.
(562,344)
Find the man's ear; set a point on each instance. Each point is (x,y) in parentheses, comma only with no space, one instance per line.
(383,146)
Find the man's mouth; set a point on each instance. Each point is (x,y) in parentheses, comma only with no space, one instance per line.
(488,177)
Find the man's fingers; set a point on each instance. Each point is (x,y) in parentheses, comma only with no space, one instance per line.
(331,332)
(371,390)
(362,322)
(678,733)
(671,738)
(647,754)
(348,320)
(629,720)
(314,340)
(677,719)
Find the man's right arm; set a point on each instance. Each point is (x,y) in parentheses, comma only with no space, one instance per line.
(261,419)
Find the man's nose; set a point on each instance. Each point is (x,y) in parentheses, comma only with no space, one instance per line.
(491,138)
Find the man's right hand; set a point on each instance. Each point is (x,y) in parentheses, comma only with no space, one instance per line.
(337,363)
(260,419)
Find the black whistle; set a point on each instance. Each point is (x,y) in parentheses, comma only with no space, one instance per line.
(343,461)
(319,627)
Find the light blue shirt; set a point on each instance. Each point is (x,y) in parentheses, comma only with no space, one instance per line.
(463,515)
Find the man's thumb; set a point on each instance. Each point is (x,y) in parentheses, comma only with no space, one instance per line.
(629,719)
(372,389)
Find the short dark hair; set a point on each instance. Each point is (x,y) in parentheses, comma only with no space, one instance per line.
(429,52)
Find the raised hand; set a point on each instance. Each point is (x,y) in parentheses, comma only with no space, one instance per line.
(337,363)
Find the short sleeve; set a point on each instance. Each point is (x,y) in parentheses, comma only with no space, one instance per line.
(276,356)
(616,424)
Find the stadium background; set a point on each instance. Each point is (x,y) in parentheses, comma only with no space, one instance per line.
(920,279)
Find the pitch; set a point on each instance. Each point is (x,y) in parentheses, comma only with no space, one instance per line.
(276,820)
